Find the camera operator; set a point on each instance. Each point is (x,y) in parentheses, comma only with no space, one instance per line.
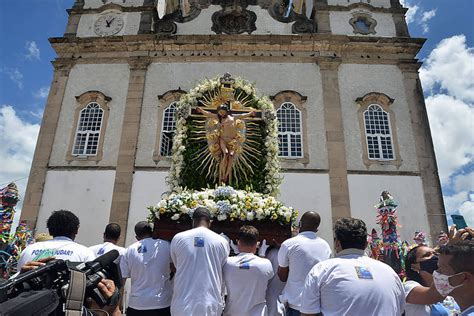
(106,287)
(63,225)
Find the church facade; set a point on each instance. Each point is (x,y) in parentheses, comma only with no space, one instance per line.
(342,75)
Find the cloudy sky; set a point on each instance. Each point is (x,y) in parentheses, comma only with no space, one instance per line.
(447,76)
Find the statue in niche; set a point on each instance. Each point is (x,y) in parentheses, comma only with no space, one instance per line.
(225,134)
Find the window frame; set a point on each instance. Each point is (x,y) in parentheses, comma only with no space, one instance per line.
(378,136)
(362,15)
(298,101)
(83,101)
(384,102)
(164,102)
(289,134)
(87,132)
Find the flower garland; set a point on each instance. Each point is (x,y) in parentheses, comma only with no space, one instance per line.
(224,203)
(183,111)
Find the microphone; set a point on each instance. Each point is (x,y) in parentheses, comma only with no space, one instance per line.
(100,262)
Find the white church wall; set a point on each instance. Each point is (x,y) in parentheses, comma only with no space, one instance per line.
(305,192)
(375,3)
(340,25)
(131,24)
(147,188)
(86,193)
(364,191)
(94,4)
(110,79)
(265,24)
(356,80)
(309,192)
(270,79)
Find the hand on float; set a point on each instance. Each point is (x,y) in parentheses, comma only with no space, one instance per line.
(199,109)
(234,247)
(262,250)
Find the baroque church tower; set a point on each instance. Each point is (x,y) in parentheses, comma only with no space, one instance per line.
(342,74)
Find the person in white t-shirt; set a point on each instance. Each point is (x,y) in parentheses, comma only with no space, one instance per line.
(246,277)
(111,237)
(199,255)
(63,225)
(148,264)
(275,285)
(297,256)
(352,283)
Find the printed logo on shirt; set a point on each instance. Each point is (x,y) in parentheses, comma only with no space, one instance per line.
(244,265)
(364,273)
(142,249)
(44,253)
(198,242)
(101,251)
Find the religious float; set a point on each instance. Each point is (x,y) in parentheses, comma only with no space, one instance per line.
(224,158)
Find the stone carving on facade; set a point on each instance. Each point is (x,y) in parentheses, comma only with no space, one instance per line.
(234,22)
(363,23)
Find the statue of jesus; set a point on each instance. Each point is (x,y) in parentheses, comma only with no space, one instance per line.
(230,136)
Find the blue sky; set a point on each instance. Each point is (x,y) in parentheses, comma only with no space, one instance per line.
(447,77)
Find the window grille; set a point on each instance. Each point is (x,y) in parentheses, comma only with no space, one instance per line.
(290,137)
(378,133)
(168,128)
(86,142)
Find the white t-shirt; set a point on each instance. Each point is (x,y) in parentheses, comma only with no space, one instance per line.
(105,247)
(353,284)
(147,264)
(199,255)
(246,277)
(414,309)
(275,285)
(59,247)
(300,254)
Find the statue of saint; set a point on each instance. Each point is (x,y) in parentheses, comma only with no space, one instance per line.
(225,133)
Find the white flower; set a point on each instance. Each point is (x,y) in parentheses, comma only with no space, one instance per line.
(175,217)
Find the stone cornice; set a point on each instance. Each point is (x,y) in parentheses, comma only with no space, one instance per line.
(267,46)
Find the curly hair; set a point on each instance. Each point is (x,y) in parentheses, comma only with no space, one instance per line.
(351,233)
(63,223)
(462,255)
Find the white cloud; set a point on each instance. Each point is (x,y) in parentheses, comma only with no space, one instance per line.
(425,18)
(18,139)
(15,75)
(33,51)
(452,123)
(467,210)
(453,202)
(41,93)
(412,10)
(450,66)
(464,182)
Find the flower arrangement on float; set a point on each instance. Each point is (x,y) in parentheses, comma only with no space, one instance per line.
(225,204)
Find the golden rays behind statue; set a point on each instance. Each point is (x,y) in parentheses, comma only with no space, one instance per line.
(231,130)
(225,135)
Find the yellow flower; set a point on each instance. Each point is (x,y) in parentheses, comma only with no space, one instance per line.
(162,210)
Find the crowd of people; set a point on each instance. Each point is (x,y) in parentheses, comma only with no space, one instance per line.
(194,274)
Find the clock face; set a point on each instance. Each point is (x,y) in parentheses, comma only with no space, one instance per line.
(108,24)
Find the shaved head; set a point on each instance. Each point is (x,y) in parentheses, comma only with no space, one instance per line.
(310,221)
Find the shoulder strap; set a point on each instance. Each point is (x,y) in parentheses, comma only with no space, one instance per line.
(75,294)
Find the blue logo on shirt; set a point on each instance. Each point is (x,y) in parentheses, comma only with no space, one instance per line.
(244,265)
(101,251)
(364,273)
(141,249)
(198,242)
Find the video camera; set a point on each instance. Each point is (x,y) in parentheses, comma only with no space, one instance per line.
(42,290)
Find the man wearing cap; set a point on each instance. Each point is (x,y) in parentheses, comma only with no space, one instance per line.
(199,256)
(148,264)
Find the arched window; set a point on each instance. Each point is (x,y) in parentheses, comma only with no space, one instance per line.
(168,127)
(378,133)
(290,131)
(86,142)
